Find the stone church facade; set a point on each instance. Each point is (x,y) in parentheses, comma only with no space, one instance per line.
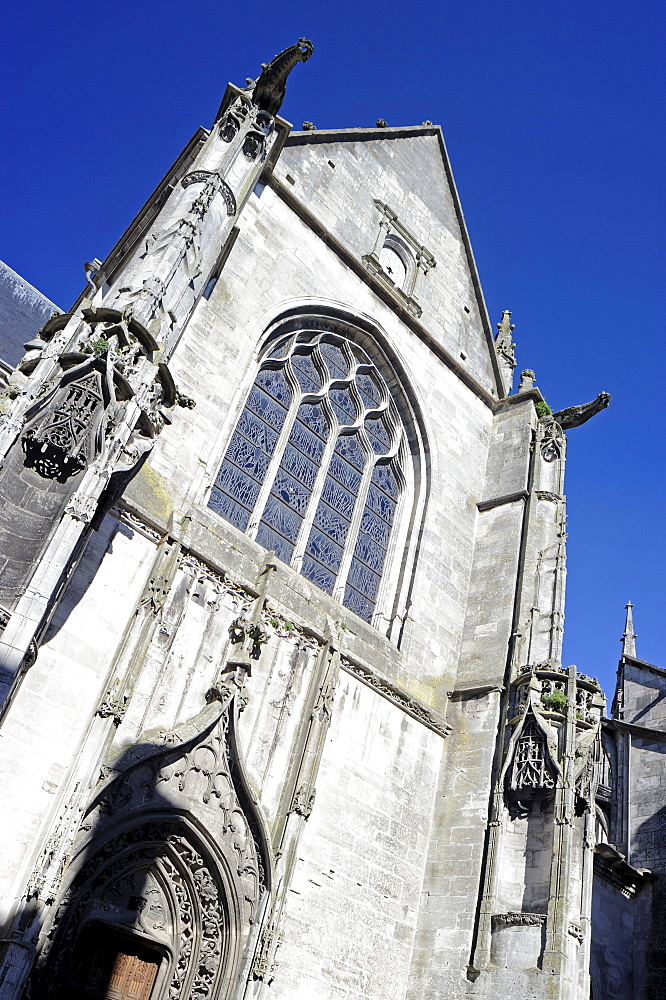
(282,582)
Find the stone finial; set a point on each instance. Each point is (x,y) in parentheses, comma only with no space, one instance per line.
(381,123)
(505,348)
(269,90)
(629,637)
(309,127)
(527,380)
(503,338)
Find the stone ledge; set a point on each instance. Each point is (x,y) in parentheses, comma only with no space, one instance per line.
(313,611)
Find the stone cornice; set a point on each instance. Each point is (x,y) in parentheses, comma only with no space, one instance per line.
(500,501)
(645,732)
(397,696)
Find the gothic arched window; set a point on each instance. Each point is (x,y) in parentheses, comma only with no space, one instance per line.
(313,469)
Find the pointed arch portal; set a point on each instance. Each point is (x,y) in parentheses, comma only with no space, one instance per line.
(164,896)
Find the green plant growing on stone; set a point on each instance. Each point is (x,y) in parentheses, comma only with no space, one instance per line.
(96,347)
(543,409)
(555,700)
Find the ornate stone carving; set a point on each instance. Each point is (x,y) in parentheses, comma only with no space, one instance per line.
(264,961)
(504,345)
(157,865)
(513,919)
(552,440)
(280,626)
(254,144)
(136,523)
(527,380)
(220,585)
(62,437)
(547,495)
(303,801)
(242,629)
(531,771)
(269,90)
(200,176)
(81,507)
(114,703)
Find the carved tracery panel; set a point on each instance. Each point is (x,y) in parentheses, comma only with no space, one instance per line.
(531,771)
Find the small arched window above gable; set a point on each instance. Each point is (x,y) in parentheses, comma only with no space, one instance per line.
(315,469)
(396,263)
(397,259)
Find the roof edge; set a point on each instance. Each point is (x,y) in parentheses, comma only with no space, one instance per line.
(314,136)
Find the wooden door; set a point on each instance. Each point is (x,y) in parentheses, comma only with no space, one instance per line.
(133,974)
(111,966)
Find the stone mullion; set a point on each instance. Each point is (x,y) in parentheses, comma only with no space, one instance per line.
(317,490)
(387,583)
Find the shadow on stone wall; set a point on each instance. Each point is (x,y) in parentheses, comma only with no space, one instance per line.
(164,886)
(650,848)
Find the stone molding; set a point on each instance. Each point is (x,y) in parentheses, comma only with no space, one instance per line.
(281,627)
(513,919)
(412,706)
(484,505)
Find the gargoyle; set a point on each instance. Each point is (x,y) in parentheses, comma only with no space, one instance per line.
(269,90)
(573,416)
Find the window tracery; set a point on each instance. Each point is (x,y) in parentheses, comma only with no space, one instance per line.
(313,468)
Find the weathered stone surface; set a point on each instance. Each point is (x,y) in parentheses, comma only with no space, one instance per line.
(390,839)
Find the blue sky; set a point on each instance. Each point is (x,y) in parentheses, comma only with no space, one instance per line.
(553,112)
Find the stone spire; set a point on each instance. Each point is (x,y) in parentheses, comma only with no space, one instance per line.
(505,348)
(629,637)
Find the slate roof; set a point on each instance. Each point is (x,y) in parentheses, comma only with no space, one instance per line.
(23,311)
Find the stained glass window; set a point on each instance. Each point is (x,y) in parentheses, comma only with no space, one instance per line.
(311,470)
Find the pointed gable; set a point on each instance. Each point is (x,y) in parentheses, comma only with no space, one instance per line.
(350,179)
